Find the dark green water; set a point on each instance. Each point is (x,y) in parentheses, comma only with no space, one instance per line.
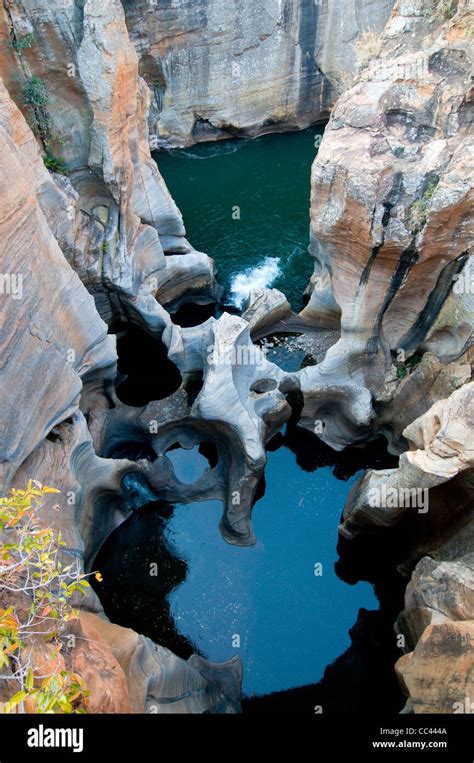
(246,204)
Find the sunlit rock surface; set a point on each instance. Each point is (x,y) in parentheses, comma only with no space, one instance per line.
(391,193)
(390,210)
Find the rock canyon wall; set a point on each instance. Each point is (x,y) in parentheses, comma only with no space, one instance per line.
(217,69)
(392,234)
(73,249)
(391,220)
(104,247)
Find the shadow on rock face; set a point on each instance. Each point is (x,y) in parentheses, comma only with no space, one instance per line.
(191,314)
(140,569)
(312,453)
(143,360)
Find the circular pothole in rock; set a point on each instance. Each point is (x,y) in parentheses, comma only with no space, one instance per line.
(264,385)
(150,374)
(190,464)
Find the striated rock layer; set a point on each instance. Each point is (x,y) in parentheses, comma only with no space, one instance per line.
(391,235)
(117,220)
(391,224)
(218,69)
(108,225)
(391,193)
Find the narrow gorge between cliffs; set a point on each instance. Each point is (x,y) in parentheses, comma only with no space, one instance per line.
(303,642)
(237,365)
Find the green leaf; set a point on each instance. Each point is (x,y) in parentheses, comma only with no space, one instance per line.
(20,696)
(29,681)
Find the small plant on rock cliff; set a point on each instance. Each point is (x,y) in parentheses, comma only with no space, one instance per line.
(35,92)
(36,587)
(56,164)
(407,367)
(22,43)
(368,46)
(443,10)
(35,95)
(418,211)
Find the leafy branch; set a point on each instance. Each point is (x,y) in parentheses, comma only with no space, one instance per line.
(39,588)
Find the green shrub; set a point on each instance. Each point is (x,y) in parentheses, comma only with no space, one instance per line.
(56,164)
(35,95)
(35,92)
(58,139)
(428,194)
(418,211)
(35,588)
(24,42)
(406,368)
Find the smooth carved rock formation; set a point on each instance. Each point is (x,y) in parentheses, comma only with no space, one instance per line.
(126,672)
(50,325)
(266,310)
(441,448)
(391,248)
(118,219)
(390,232)
(240,406)
(187,279)
(439,590)
(91,504)
(218,69)
(242,400)
(439,674)
(391,195)
(438,619)
(437,622)
(430,381)
(452,330)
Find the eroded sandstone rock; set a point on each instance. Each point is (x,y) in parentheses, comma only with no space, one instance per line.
(436,474)
(439,674)
(127,672)
(240,405)
(390,231)
(390,237)
(218,69)
(50,326)
(441,448)
(118,220)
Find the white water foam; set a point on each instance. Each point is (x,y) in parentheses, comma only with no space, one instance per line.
(219,150)
(253,278)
